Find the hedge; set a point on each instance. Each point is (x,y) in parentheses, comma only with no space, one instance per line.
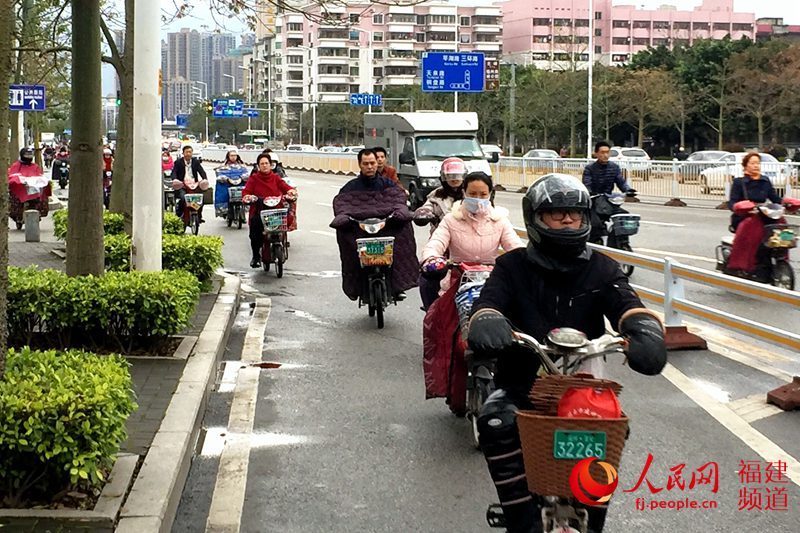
(114,224)
(116,310)
(62,421)
(199,254)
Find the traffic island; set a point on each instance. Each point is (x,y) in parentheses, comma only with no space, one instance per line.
(787,397)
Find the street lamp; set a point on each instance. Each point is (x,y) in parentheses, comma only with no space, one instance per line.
(249,91)
(205,98)
(313,100)
(370,86)
(269,94)
(589,88)
(233,81)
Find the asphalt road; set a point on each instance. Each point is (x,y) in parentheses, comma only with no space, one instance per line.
(343,439)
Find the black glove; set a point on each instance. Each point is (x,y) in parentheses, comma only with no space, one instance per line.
(490,331)
(630,192)
(647,353)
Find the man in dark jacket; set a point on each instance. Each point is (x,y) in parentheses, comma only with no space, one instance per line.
(600,177)
(183,167)
(368,179)
(556,282)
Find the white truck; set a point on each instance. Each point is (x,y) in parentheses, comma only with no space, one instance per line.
(417,143)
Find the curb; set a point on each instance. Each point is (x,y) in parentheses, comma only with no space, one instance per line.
(156,493)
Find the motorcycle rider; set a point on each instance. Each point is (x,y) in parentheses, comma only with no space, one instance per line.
(263,184)
(555,282)
(25,167)
(599,178)
(277,166)
(387,171)
(747,250)
(166,161)
(108,160)
(187,168)
(48,153)
(368,179)
(233,167)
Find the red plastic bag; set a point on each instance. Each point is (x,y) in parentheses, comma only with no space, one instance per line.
(589,402)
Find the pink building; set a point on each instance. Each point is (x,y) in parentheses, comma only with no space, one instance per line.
(555,33)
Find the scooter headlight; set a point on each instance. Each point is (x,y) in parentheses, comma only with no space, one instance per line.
(373,228)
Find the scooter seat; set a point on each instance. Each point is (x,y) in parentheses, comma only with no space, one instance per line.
(728,239)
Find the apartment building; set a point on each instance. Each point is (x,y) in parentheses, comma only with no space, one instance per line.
(177,97)
(554,34)
(774,28)
(184,55)
(364,47)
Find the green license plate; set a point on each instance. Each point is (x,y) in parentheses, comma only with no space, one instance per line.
(579,444)
(375,248)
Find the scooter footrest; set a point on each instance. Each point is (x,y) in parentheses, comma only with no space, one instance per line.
(495,516)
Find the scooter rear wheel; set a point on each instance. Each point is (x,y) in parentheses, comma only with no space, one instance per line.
(380,304)
(783,275)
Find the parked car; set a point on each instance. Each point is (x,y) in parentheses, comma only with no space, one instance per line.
(541,153)
(330,149)
(353,149)
(489,149)
(632,159)
(301,148)
(249,146)
(698,162)
(730,166)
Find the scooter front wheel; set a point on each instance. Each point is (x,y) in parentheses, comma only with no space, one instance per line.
(783,275)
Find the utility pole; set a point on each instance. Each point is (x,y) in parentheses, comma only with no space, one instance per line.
(147,214)
(589,88)
(512,106)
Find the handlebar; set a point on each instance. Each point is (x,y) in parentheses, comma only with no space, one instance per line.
(591,349)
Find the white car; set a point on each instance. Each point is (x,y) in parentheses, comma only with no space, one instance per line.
(353,149)
(301,148)
(331,149)
(630,159)
(490,149)
(541,153)
(730,166)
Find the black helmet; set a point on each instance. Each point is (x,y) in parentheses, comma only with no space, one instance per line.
(26,154)
(556,191)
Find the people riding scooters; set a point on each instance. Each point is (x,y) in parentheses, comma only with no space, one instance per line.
(187,170)
(557,281)
(600,177)
(366,196)
(233,169)
(384,169)
(263,184)
(472,232)
(747,255)
(28,188)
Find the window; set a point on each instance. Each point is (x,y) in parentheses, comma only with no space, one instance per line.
(540,56)
(327,33)
(563,39)
(464,38)
(701,26)
(561,56)
(641,24)
(721,26)
(333,52)
(399,36)
(439,36)
(680,25)
(377,37)
(441,19)
(541,22)
(354,71)
(598,49)
(620,40)
(402,19)
(354,18)
(400,71)
(294,91)
(742,27)
(291,43)
(377,54)
(294,60)
(464,21)
(660,42)
(486,20)
(377,18)
(377,72)
(486,38)
(581,57)
(295,26)
(619,58)
(408,149)
(355,53)
(401,54)
(581,23)
(620,24)
(336,70)
(377,90)
(332,88)
(420,37)
(354,89)
(562,22)
(541,38)
(660,25)
(641,41)
(598,32)
(422,20)
(598,15)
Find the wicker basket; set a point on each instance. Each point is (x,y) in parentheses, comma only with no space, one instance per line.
(547,475)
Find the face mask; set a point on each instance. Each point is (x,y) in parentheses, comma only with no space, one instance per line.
(476,205)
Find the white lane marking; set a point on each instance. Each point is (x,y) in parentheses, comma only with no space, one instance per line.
(217,438)
(227,500)
(322,274)
(668,224)
(326,233)
(664,253)
(323,204)
(228,381)
(727,417)
(308,316)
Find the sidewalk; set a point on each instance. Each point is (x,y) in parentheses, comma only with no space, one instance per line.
(23,254)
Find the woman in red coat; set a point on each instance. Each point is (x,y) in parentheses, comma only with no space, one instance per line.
(260,185)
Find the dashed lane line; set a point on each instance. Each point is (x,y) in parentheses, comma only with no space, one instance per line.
(326,233)
(667,224)
(225,514)
(663,253)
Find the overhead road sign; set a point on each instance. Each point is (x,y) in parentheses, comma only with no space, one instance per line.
(462,72)
(27,98)
(366,99)
(228,108)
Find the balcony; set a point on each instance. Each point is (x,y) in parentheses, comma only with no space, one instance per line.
(486,28)
(402,45)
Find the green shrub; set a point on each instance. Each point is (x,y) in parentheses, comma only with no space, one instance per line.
(62,420)
(199,254)
(113,223)
(172,224)
(116,310)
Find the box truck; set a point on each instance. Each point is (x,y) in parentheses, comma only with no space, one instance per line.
(417,143)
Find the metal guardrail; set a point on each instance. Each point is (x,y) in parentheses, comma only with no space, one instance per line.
(676,305)
(685,180)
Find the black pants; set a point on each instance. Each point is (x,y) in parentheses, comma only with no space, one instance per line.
(428,290)
(256,235)
(602,210)
(500,444)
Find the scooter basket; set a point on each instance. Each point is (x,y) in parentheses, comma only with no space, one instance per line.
(275,220)
(625,224)
(375,251)
(546,474)
(194,200)
(781,235)
(235,194)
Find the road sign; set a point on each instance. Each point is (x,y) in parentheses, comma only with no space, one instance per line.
(366,99)
(252,113)
(228,108)
(453,72)
(492,76)
(27,98)
(182,121)
(254,133)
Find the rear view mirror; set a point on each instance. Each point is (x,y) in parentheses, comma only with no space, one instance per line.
(406,159)
(493,157)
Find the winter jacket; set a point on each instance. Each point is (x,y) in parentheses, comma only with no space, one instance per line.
(756,190)
(537,299)
(600,179)
(264,185)
(179,169)
(376,183)
(435,206)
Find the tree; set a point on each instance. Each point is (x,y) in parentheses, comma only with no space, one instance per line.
(85,251)
(6,67)
(644,96)
(679,103)
(606,104)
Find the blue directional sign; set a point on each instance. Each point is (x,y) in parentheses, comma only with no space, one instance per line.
(252,113)
(461,72)
(27,98)
(366,99)
(182,120)
(228,108)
